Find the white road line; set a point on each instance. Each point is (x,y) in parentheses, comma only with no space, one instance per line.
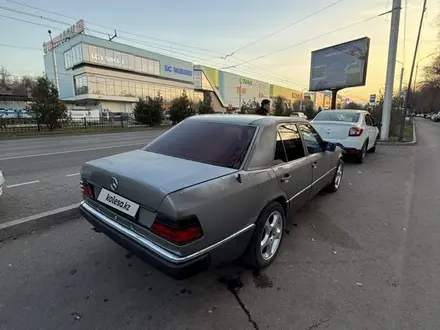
(22,184)
(74,174)
(77,150)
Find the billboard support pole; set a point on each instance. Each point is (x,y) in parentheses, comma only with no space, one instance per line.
(334,94)
(391,68)
(408,92)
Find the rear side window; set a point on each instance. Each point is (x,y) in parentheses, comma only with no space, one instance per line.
(288,143)
(218,144)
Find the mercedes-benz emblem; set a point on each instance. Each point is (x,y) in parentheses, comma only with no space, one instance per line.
(114,184)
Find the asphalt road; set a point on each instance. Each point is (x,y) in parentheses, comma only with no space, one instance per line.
(366,257)
(42,174)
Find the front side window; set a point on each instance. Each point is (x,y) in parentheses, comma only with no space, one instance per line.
(292,142)
(217,144)
(312,139)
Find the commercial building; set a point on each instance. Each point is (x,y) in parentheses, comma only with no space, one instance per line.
(97,74)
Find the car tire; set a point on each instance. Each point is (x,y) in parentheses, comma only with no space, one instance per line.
(361,156)
(336,182)
(269,228)
(373,150)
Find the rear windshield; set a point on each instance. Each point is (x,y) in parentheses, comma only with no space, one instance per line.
(348,117)
(211,143)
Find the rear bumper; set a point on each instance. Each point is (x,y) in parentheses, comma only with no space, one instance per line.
(349,146)
(175,266)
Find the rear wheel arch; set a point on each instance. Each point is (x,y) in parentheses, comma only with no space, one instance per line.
(283,201)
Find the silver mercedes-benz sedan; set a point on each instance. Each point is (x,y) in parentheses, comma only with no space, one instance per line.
(209,190)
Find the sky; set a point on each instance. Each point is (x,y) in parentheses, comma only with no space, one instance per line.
(204,31)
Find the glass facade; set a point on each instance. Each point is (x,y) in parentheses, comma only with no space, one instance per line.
(85,53)
(100,85)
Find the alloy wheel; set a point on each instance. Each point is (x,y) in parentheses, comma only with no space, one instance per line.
(271,236)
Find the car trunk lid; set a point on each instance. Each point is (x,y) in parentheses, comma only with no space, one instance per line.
(333,130)
(146,178)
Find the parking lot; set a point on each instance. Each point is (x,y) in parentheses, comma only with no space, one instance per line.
(364,258)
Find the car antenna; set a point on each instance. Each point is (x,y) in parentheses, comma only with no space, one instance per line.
(238,177)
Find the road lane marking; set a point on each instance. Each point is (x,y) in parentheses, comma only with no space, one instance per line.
(74,174)
(76,150)
(22,184)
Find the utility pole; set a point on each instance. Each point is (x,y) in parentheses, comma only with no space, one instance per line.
(408,92)
(391,69)
(55,74)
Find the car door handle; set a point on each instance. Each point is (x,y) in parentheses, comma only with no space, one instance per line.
(286,178)
(315,164)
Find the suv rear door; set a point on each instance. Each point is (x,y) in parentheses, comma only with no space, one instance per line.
(293,168)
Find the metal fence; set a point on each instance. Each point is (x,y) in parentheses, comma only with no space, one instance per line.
(24,125)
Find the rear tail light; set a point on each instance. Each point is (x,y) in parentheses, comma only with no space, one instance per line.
(355,131)
(179,232)
(86,189)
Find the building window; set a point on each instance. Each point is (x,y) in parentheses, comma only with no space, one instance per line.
(132,90)
(139,92)
(100,85)
(125,90)
(80,85)
(110,87)
(118,88)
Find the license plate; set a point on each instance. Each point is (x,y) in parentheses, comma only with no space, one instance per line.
(118,202)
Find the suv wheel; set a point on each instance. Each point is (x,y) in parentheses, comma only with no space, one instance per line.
(268,234)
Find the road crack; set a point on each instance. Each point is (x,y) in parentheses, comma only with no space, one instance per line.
(234,285)
(317,324)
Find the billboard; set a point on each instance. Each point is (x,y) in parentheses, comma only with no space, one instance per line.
(340,66)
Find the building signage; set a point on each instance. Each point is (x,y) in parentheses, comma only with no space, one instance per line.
(64,36)
(170,68)
(245,81)
(100,57)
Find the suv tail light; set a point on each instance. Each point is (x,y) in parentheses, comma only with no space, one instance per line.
(355,131)
(86,189)
(179,232)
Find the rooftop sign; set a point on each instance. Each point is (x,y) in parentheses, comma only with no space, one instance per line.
(64,36)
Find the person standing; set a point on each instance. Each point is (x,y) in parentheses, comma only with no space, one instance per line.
(264,109)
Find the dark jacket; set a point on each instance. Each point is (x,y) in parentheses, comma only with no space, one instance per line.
(261,111)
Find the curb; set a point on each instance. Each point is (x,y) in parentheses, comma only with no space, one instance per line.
(38,221)
(411,143)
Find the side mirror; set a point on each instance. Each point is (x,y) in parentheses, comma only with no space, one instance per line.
(330,146)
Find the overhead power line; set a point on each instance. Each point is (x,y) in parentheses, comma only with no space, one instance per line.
(283,28)
(29,22)
(307,40)
(218,55)
(112,28)
(21,47)
(161,47)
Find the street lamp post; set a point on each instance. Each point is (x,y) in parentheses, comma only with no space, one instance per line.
(417,69)
(54,62)
(401,77)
